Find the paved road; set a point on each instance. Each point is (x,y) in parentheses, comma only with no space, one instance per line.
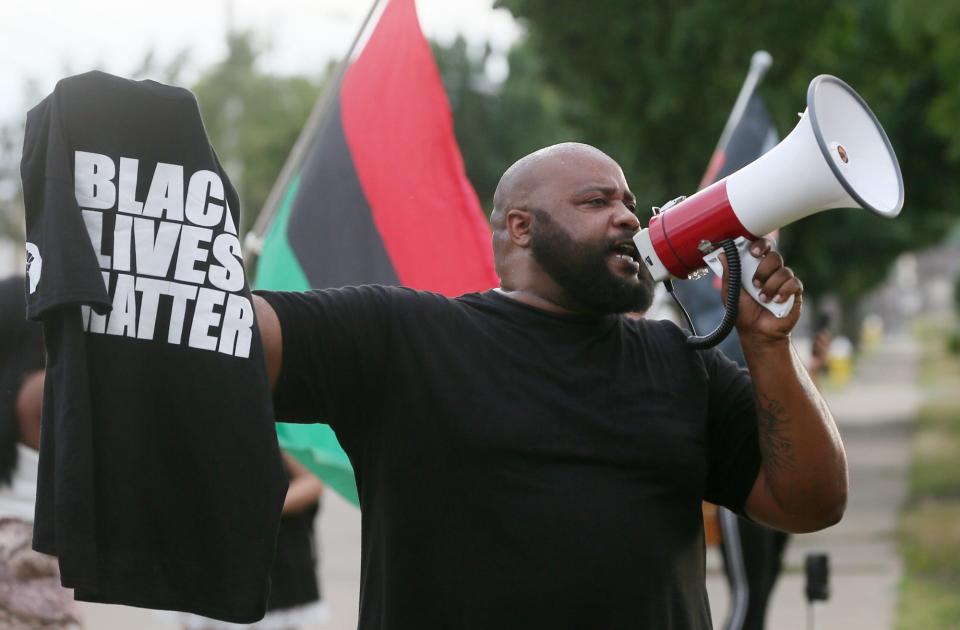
(874,412)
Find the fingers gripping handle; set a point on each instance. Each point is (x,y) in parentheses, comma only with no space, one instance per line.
(748,267)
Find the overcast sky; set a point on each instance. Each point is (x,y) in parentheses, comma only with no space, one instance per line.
(45,40)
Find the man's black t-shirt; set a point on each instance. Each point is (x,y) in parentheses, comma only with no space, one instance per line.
(519,469)
(160,482)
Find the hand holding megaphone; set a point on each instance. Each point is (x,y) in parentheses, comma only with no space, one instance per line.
(838,156)
(772,309)
(748,268)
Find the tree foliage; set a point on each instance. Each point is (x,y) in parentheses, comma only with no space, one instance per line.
(253,118)
(11,148)
(11,197)
(653,83)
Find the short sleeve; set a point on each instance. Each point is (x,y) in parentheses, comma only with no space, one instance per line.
(733,439)
(62,267)
(335,352)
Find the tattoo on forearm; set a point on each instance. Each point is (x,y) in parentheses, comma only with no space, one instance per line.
(775,443)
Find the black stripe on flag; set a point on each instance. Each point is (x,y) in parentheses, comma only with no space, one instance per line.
(331,229)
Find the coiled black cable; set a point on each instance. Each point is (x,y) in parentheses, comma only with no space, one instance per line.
(732,306)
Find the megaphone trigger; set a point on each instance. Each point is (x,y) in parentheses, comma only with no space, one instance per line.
(748,267)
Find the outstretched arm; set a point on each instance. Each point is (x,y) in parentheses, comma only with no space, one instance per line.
(271,337)
(802,484)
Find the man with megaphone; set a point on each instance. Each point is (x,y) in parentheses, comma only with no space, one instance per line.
(529,457)
(526,457)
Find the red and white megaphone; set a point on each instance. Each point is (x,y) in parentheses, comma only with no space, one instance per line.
(838,156)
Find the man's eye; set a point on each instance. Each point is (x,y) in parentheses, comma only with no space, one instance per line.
(598,202)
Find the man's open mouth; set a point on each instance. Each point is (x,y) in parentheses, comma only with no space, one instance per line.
(627,251)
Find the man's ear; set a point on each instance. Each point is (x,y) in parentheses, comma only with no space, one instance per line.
(518,226)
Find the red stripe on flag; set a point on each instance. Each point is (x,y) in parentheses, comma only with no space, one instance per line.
(399,128)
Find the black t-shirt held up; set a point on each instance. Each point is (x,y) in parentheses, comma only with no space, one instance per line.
(160,481)
(519,469)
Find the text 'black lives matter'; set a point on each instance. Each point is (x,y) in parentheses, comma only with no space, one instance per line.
(176,250)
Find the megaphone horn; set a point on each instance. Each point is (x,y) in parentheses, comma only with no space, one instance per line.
(838,156)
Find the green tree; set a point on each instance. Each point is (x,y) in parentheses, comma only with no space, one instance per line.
(11,148)
(653,83)
(253,118)
(11,197)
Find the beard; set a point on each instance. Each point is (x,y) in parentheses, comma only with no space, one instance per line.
(583,271)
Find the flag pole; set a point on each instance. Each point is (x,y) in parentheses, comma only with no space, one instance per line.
(760,62)
(253,241)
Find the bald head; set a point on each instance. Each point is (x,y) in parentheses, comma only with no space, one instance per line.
(520,184)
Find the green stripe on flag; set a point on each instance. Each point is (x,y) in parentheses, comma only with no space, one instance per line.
(277,267)
(316,447)
(313,445)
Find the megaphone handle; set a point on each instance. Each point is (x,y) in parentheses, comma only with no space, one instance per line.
(748,267)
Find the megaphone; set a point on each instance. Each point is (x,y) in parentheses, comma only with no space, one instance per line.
(838,156)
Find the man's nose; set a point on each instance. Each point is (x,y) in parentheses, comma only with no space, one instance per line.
(625,218)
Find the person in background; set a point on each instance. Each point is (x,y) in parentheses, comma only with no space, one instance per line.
(30,591)
(295,594)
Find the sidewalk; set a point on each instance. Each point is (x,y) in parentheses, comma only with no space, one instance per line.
(875,414)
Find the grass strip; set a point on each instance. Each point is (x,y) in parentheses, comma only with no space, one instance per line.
(929,531)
